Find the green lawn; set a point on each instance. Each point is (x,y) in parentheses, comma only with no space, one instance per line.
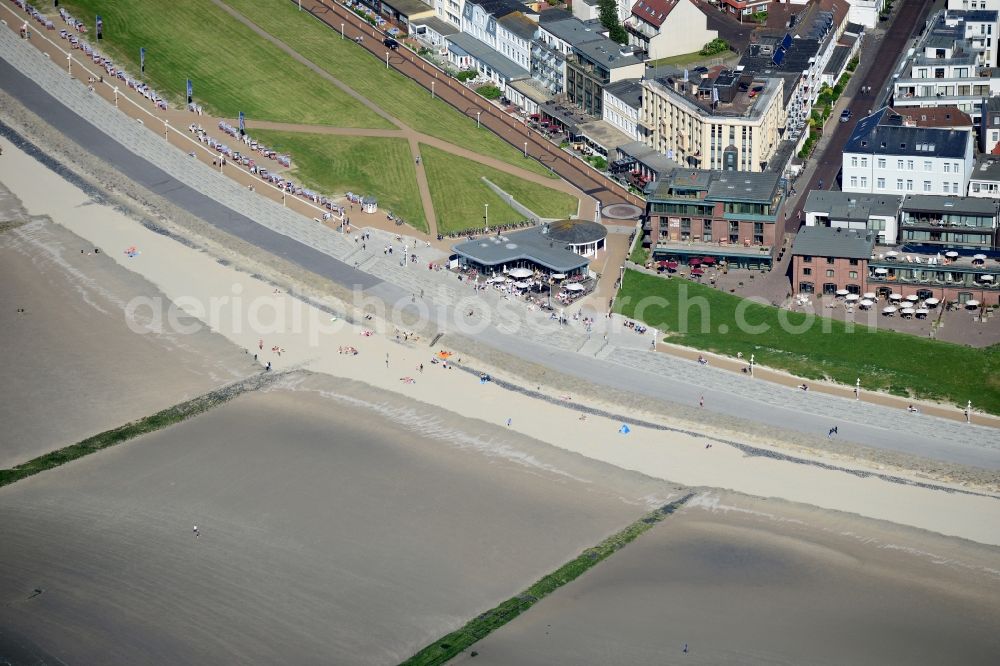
(231,68)
(459,193)
(393,92)
(334,164)
(813,347)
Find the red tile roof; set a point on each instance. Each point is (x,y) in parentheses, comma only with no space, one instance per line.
(653,11)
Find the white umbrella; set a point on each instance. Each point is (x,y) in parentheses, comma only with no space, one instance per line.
(842,292)
(870,294)
(853,297)
(892,253)
(866,303)
(889,310)
(986,278)
(576,286)
(913,297)
(906,311)
(521,285)
(558,276)
(951,254)
(979,257)
(521,272)
(881,271)
(895,297)
(972,304)
(922,311)
(931,301)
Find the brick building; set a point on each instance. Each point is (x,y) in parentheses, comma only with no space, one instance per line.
(827,259)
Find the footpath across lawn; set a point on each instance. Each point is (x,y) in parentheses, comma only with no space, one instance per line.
(459,193)
(231,68)
(812,346)
(396,94)
(333,165)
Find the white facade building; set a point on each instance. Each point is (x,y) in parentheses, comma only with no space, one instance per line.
(884,156)
(865,12)
(622,104)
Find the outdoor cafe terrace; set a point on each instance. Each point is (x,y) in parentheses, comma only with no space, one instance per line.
(947,269)
(743,256)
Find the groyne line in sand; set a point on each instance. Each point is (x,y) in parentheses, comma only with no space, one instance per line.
(453,644)
(129,431)
(746,449)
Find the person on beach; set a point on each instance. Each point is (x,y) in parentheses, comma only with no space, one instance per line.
(196,532)
(833,431)
(508,422)
(701,401)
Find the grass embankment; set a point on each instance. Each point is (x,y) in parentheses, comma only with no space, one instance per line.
(231,68)
(639,254)
(810,346)
(456,642)
(332,164)
(459,193)
(147,424)
(396,94)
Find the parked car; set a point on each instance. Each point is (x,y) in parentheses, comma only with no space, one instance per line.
(390,43)
(845,115)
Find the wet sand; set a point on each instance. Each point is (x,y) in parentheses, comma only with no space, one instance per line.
(766,582)
(72,367)
(330,533)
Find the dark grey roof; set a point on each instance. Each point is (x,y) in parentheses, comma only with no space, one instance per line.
(529,245)
(928,203)
(987,168)
(570,29)
(830,242)
(837,59)
(883,133)
(974,15)
(576,232)
(648,157)
(483,53)
(850,206)
(795,59)
(553,15)
(854,28)
(408,7)
(606,53)
(627,90)
(744,186)
(498,8)
(520,25)
(439,26)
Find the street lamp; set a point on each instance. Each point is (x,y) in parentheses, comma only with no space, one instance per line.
(751,364)
(478,113)
(69,63)
(432,89)
(968,412)
(341,30)
(116,97)
(387,60)
(486,216)
(857,389)
(166,137)
(525,148)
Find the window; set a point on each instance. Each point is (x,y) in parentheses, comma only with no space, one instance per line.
(909,185)
(854,181)
(945,187)
(829,273)
(853,275)
(807,271)
(928,165)
(909,164)
(830,260)
(899,184)
(947,167)
(854,262)
(881,163)
(854,161)
(954,188)
(927,186)
(864,181)
(807,258)
(864,161)
(881,183)
(899,164)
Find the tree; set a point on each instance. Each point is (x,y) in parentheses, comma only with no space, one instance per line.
(609,19)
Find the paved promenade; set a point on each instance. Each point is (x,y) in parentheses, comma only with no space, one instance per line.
(621,362)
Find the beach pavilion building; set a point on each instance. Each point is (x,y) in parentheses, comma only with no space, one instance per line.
(564,247)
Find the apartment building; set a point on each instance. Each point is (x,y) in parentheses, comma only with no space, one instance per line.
(594,64)
(874,214)
(558,31)
(989,125)
(664,28)
(826,260)
(622,104)
(953,64)
(985,179)
(725,216)
(727,120)
(886,156)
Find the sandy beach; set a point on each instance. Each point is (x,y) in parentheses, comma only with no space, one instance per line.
(330,532)
(250,313)
(73,367)
(747,581)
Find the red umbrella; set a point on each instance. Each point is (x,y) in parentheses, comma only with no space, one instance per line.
(672,265)
(694,261)
(663,264)
(708,261)
(697,271)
